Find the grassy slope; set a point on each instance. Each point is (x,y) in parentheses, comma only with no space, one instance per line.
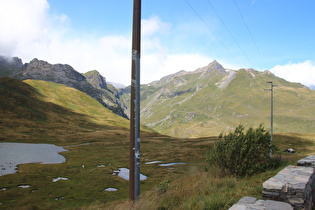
(44,112)
(192,105)
(51,113)
(214,189)
(48,112)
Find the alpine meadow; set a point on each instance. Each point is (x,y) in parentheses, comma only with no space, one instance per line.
(182,116)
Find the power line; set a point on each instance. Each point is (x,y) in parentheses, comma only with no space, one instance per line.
(212,32)
(239,11)
(231,34)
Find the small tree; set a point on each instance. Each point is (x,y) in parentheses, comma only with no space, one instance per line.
(243,153)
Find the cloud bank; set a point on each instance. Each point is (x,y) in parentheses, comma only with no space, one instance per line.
(29,31)
(297,72)
(22,23)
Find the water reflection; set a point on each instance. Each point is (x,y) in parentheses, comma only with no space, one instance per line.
(13,154)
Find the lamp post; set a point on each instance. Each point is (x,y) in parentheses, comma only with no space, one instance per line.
(271,122)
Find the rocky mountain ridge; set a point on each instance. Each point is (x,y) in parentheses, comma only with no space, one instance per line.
(213,99)
(65,74)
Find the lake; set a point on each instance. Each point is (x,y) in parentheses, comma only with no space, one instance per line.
(13,154)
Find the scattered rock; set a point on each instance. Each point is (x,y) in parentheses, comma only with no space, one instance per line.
(59,198)
(290,150)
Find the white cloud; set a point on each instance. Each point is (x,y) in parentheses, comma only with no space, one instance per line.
(297,72)
(153,26)
(29,31)
(62,18)
(22,23)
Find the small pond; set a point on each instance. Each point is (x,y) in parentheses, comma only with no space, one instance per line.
(124,173)
(13,154)
(171,164)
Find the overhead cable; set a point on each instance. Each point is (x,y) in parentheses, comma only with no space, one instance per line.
(217,38)
(231,34)
(250,33)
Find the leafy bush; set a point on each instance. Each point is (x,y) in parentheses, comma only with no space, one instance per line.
(244,153)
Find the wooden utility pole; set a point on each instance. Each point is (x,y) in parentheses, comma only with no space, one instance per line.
(134,162)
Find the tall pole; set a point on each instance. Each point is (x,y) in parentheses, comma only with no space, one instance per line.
(134,149)
(271,121)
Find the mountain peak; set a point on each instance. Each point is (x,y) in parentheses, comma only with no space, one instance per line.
(96,79)
(214,65)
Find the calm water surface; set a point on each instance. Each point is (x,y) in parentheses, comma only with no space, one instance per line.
(13,154)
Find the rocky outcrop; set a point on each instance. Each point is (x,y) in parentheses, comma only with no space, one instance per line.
(214,65)
(65,74)
(99,82)
(9,66)
(96,79)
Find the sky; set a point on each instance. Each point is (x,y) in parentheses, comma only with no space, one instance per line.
(275,35)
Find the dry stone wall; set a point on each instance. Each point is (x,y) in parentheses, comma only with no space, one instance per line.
(293,184)
(292,188)
(253,203)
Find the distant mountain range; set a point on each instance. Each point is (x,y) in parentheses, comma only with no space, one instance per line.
(204,102)
(212,99)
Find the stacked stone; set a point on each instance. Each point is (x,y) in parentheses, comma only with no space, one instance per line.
(249,203)
(308,161)
(294,185)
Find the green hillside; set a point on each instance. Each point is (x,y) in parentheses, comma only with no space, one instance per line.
(32,110)
(97,141)
(212,100)
(98,144)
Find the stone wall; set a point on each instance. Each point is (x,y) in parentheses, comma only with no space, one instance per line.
(308,161)
(294,185)
(254,203)
(292,188)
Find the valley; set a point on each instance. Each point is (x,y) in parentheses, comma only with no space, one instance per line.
(43,112)
(181,115)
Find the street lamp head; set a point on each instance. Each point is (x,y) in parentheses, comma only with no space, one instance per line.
(269,82)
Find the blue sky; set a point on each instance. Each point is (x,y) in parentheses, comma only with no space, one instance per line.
(277,35)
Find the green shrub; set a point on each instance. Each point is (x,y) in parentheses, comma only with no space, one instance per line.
(244,153)
(163,187)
